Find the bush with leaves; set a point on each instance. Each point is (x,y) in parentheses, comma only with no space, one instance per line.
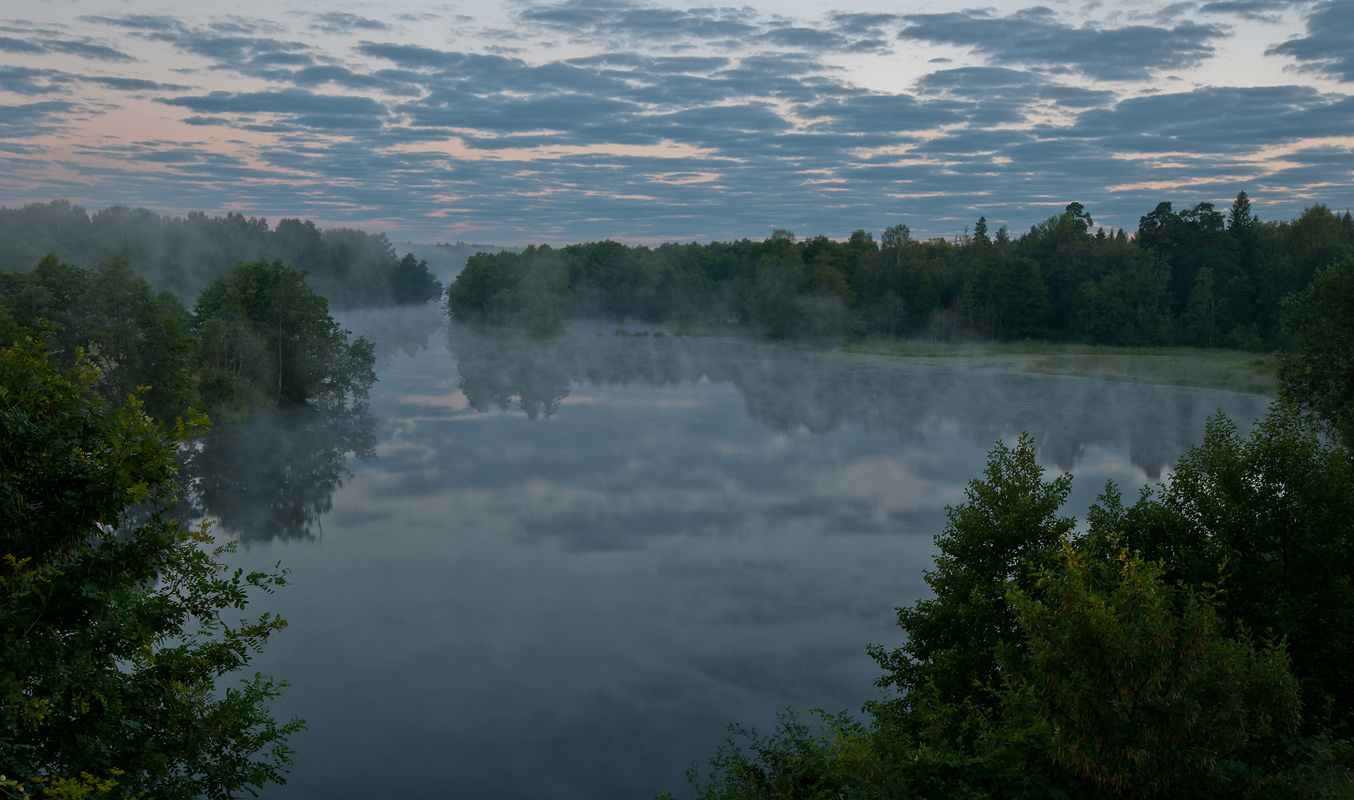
(1273,513)
(1007,531)
(118,624)
(1127,684)
(1318,374)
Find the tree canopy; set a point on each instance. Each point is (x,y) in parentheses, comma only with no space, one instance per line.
(118,624)
(1318,374)
(349,267)
(263,332)
(258,336)
(1191,277)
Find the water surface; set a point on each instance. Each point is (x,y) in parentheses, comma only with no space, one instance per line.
(560,569)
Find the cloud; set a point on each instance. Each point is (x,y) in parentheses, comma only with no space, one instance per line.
(88,50)
(11,45)
(393,82)
(610,21)
(339,22)
(288,109)
(133,84)
(1217,120)
(807,38)
(410,56)
(605,20)
(29,81)
(659,122)
(79,47)
(879,113)
(1328,46)
(593,19)
(228,50)
(863,24)
(1037,37)
(1258,10)
(138,22)
(999,96)
(30,120)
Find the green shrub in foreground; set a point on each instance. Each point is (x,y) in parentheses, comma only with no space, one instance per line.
(117,622)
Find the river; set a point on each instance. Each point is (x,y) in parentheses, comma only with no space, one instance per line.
(560,569)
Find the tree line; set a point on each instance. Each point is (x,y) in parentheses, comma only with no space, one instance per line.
(1198,276)
(349,267)
(257,336)
(1194,643)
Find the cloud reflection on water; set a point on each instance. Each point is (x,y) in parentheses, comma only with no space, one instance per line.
(701,531)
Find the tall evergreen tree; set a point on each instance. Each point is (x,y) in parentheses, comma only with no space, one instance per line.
(1240,220)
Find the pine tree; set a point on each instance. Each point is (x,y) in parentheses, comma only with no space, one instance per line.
(1241,221)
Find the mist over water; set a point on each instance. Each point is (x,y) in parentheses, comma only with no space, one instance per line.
(559,569)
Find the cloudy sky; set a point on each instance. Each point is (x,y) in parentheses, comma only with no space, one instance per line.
(640,121)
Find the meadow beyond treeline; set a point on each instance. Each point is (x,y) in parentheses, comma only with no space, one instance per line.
(1198,277)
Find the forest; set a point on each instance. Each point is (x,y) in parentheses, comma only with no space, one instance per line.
(256,336)
(182,255)
(1199,277)
(115,285)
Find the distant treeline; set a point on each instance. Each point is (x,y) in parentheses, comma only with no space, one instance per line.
(351,268)
(1197,277)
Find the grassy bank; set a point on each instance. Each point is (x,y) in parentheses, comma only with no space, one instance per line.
(1234,370)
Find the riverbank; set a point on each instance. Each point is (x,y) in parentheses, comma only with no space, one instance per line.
(1233,370)
(1209,368)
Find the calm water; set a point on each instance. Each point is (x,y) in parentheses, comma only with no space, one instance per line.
(560,570)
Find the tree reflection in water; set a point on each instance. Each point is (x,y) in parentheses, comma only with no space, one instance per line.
(497,369)
(273,475)
(791,389)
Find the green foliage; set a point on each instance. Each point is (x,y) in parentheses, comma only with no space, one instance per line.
(1127,684)
(412,284)
(1201,312)
(1319,324)
(1116,683)
(263,335)
(798,760)
(138,339)
(1058,280)
(77,788)
(1194,276)
(118,623)
(258,336)
(1274,510)
(1004,534)
(528,290)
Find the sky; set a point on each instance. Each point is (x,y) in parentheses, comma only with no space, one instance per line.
(555,122)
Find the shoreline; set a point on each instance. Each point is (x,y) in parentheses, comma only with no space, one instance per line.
(1231,370)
